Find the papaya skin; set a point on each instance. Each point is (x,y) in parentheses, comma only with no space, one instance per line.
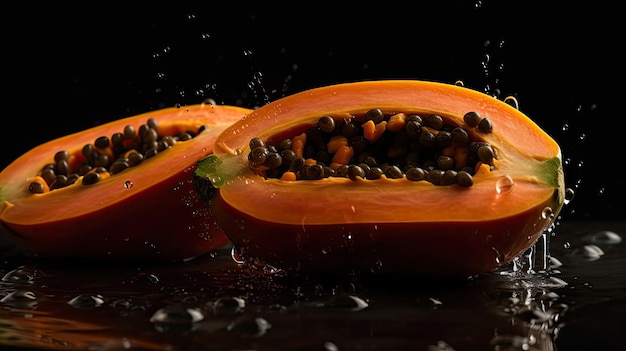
(149,212)
(387,225)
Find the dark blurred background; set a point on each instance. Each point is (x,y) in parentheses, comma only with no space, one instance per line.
(70,68)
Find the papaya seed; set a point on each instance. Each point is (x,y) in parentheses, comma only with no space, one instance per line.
(36,187)
(355,172)
(375,115)
(485,125)
(255,142)
(61,156)
(326,124)
(464,178)
(434,121)
(424,148)
(108,155)
(472,119)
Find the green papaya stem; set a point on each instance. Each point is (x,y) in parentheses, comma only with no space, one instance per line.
(219,170)
(207,168)
(548,171)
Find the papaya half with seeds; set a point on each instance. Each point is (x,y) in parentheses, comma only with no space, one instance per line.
(409,193)
(120,190)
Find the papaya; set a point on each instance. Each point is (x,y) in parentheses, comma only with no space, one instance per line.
(119,190)
(384,177)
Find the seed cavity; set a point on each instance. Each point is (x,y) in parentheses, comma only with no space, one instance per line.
(376,145)
(106,156)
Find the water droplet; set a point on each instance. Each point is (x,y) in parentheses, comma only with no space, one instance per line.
(512,100)
(209,101)
(442,345)
(555,262)
(250,327)
(486,59)
(217,181)
(556,282)
(237,254)
(579,182)
(229,305)
(592,252)
(346,302)
(177,318)
(517,342)
(20,299)
(20,275)
(569,195)
(435,301)
(377,266)
(499,256)
(329,346)
(547,213)
(152,278)
(504,185)
(605,237)
(87,301)
(128,184)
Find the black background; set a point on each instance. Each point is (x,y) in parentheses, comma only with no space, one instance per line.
(69,68)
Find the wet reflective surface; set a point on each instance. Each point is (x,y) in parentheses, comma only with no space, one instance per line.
(214,303)
(101,65)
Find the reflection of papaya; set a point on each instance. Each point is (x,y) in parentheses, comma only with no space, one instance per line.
(384,176)
(119,190)
(44,331)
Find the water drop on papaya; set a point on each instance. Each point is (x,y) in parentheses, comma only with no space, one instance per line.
(504,185)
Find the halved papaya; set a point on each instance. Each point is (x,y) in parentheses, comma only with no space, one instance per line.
(324,213)
(69,198)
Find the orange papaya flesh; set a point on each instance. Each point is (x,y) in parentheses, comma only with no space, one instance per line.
(148,211)
(387,225)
